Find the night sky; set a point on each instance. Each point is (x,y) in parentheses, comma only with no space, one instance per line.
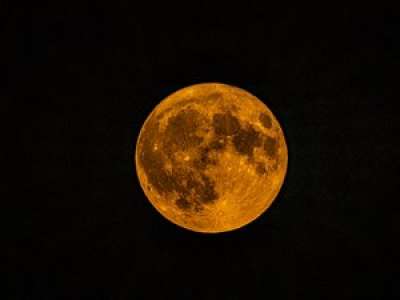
(84,79)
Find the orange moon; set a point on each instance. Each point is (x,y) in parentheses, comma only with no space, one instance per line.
(211,157)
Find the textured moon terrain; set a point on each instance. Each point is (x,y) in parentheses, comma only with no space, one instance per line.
(211,157)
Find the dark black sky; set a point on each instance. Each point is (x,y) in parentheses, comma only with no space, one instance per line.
(85,78)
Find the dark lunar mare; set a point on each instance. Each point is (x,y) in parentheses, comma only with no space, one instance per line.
(225,124)
(245,137)
(180,133)
(246,140)
(152,161)
(265,120)
(270,146)
(193,187)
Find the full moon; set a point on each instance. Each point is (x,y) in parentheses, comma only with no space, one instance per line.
(211,157)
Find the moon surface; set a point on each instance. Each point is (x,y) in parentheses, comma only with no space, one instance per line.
(211,157)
